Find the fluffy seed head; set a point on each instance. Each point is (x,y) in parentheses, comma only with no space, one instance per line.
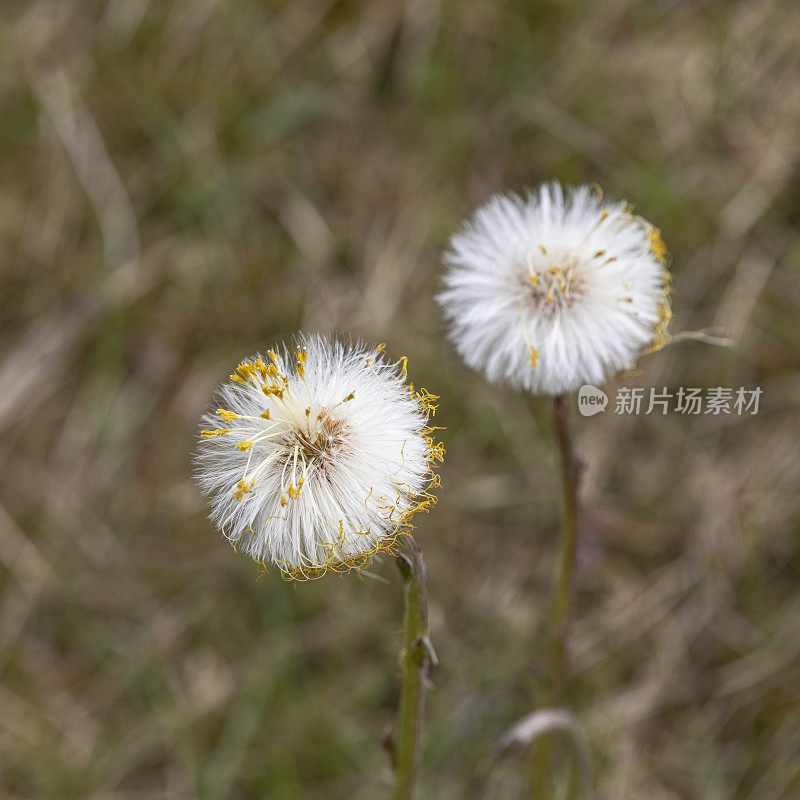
(317,457)
(555,290)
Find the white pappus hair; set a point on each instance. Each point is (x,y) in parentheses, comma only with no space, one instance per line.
(555,290)
(317,457)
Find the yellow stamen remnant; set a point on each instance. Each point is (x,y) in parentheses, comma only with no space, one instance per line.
(294,491)
(597,189)
(242,488)
(427,400)
(227,416)
(264,415)
(214,434)
(534,280)
(533,354)
(302,357)
(243,447)
(296,484)
(246,370)
(662,335)
(657,244)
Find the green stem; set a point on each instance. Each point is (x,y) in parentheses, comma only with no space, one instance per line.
(559,616)
(541,784)
(415,664)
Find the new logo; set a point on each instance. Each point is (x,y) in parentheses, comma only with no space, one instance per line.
(591,400)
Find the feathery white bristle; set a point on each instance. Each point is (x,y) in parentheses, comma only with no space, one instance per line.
(555,290)
(317,456)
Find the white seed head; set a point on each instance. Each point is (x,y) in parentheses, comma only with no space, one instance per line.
(555,290)
(318,457)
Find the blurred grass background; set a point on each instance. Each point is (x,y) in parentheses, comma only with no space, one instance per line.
(183,183)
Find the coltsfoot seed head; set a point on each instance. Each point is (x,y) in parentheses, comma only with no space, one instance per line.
(555,290)
(318,456)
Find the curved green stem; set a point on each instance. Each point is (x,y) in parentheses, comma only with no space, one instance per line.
(415,664)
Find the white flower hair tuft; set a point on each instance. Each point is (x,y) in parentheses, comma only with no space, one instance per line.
(318,457)
(556,290)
